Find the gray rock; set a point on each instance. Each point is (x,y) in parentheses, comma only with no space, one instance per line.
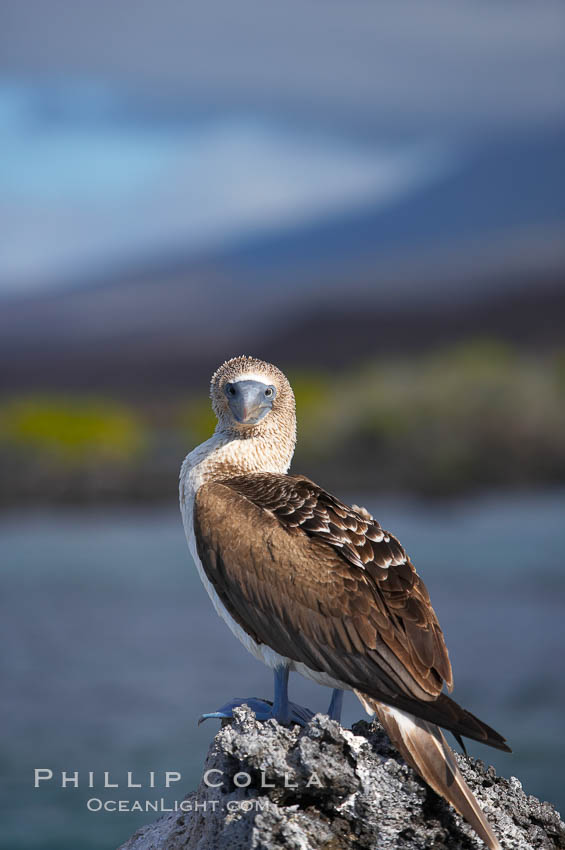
(331,788)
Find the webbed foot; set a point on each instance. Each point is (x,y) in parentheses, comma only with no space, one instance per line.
(264,710)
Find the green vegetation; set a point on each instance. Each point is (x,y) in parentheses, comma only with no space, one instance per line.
(197,420)
(476,415)
(70,428)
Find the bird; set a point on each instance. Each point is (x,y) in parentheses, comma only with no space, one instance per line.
(310,584)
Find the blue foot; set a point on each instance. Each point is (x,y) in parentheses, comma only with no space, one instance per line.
(264,710)
(281,709)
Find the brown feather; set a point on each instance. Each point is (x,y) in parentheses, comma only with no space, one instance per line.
(424,748)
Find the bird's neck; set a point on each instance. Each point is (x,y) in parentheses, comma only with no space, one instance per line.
(227,454)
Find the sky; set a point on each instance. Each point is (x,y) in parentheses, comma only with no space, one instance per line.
(468,64)
(137,129)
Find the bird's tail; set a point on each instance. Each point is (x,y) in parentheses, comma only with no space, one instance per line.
(423,746)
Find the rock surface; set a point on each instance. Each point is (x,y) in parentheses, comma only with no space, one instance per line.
(331,788)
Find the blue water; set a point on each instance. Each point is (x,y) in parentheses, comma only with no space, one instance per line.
(111,650)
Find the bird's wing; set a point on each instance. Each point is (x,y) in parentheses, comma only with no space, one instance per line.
(290,551)
(323,584)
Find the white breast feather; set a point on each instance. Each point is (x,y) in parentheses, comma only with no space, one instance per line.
(190,482)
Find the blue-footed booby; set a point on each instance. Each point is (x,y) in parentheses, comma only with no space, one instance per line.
(310,584)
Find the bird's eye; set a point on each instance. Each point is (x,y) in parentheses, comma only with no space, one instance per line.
(230,389)
(269,392)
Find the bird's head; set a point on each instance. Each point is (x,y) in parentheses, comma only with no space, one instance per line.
(251,397)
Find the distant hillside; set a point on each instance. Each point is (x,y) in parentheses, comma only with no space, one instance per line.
(149,339)
(530,316)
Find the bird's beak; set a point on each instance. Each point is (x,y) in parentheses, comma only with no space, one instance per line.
(249,405)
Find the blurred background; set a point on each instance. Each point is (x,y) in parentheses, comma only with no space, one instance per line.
(373,198)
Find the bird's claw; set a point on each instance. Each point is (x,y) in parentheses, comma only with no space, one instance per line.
(263,710)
